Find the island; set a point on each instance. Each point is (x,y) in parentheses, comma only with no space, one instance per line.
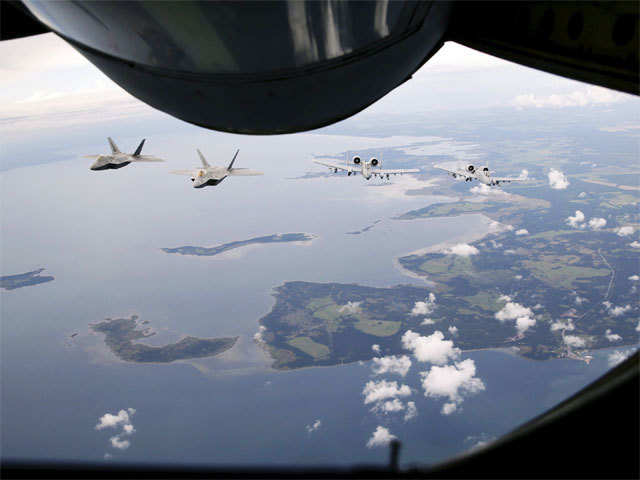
(121,333)
(11,282)
(563,288)
(216,250)
(365,229)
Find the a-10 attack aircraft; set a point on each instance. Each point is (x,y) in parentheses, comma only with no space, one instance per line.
(482,174)
(117,159)
(366,169)
(213,174)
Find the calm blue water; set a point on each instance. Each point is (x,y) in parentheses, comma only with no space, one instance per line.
(100,235)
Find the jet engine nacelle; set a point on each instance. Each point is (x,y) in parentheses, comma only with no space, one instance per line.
(356,160)
(471,168)
(485,170)
(375,162)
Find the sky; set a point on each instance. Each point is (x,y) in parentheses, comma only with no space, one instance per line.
(45,82)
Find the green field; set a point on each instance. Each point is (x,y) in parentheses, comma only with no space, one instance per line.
(311,348)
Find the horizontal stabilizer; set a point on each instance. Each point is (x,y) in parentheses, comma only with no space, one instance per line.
(244,172)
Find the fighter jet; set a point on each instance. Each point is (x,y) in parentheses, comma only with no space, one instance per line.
(482,174)
(117,159)
(367,169)
(213,174)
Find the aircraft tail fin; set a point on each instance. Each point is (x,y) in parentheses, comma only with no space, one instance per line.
(139,149)
(234,159)
(114,147)
(205,164)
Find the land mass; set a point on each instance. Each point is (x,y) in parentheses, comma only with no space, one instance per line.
(11,282)
(121,333)
(211,251)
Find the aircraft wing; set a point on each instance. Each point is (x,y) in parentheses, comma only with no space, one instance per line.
(346,168)
(244,172)
(184,172)
(397,171)
(455,172)
(94,157)
(146,158)
(507,179)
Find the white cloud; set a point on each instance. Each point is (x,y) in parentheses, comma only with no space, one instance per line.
(618,357)
(580,300)
(108,456)
(574,341)
(412,411)
(625,231)
(612,337)
(453,330)
(375,347)
(524,323)
(382,390)
(634,278)
(518,277)
(424,308)
(433,349)
(522,231)
(486,190)
(557,179)
(560,325)
(635,244)
(380,437)
(462,249)
(512,311)
(351,308)
(427,321)
(504,298)
(619,310)
(590,95)
(314,426)
(582,194)
(111,421)
(497,227)
(449,408)
(453,382)
(388,406)
(391,364)
(638,326)
(597,223)
(576,220)
(537,306)
(258,336)
(120,444)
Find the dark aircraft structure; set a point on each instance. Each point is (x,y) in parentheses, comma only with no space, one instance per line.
(289,66)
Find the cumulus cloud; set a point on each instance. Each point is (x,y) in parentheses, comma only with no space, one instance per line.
(388,406)
(612,337)
(462,249)
(617,311)
(634,278)
(424,308)
(618,357)
(576,220)
(625,231)
(383,390)
(433,348)
(108,420)
(597,223)
(518,277)
(590,95)
(391,364)
(574,341)
(376,348)
(258,336)
(513,311)
(522,231)
(504,298)
(497,227)
(486,190)
(119,443)
(557,179)
(560,325)
(351,308)
(635,244)
(380,437)
(453,330)
(314,426)
(524,323)
(582,194)
(580,300)
(427,321)
(453,382)
(411,412)
(638,326)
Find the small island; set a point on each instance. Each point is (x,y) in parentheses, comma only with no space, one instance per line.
(11,282)
(121,333)
(216,250)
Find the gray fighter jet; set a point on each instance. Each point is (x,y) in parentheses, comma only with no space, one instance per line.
(117,159)
(213,174)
